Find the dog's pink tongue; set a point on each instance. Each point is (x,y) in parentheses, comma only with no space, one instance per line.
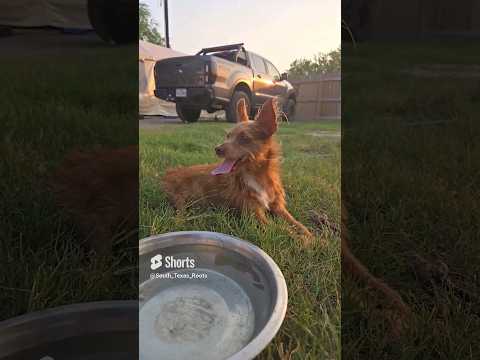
(224,168)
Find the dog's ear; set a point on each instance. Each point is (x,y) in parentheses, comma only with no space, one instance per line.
(267,117)
(242,111)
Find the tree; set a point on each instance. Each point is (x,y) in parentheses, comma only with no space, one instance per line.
(147,27)
(322,63)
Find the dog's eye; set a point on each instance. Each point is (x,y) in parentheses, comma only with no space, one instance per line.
(243,139)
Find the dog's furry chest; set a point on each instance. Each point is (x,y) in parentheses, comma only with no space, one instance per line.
(258,189)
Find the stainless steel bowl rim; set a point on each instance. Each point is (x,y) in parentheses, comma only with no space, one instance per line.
(257,344)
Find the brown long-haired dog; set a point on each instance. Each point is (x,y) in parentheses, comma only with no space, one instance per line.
(248,179)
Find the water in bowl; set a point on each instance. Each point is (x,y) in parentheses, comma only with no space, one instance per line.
(207,318)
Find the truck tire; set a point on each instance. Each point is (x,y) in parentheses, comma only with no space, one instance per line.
(187,113)
(290,107)
(231,112)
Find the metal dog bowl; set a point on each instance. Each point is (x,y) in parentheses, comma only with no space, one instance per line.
(89,331)
(207,296)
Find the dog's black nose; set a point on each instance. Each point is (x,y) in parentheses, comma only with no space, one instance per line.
(219,150)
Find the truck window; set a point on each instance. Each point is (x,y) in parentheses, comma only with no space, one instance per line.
(232,55)
(227,55)
(258,64)
(272,70)
(242,57)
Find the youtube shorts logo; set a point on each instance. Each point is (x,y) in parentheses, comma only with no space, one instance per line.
(156,262)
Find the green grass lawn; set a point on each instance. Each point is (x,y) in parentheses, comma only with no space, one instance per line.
(311,175)
(412,190)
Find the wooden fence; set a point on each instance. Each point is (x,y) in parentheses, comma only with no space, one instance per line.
(318,98)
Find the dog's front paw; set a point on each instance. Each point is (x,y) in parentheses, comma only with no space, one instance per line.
(305,238)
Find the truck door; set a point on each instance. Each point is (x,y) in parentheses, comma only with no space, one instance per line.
(262,82)
(279,87)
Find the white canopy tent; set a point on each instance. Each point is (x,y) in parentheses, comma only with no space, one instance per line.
(59,13)
(148,54)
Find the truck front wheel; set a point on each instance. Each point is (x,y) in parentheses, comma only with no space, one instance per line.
(231,111)
(188,113)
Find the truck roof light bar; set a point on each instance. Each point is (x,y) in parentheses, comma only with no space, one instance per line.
(221,48)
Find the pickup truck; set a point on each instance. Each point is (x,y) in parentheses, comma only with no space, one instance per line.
(217,78)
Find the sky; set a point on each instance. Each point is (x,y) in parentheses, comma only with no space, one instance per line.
(279,30)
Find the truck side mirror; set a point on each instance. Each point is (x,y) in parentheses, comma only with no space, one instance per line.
(284,76)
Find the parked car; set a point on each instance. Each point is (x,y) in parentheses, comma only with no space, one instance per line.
(217,78)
